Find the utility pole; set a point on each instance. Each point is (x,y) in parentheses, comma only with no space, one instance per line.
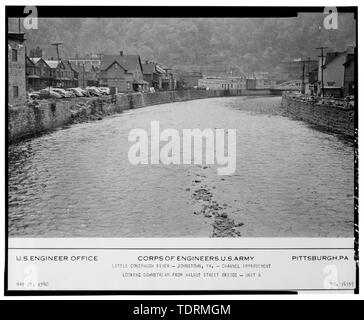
(83,75)
(57,44)
(303,71)
(322,68)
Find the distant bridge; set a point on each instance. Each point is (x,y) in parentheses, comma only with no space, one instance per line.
(292,85)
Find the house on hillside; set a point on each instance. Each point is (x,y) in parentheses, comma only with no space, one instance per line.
(16,68)
(123,72)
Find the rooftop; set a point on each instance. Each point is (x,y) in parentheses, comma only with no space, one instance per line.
(20,37)
(128,62)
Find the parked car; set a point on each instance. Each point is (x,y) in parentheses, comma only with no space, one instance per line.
(49,93)
(104,90)
(63,93)
(98,89)
(93,91)
(71,93)
(34,95)
(83,91)
(76,92)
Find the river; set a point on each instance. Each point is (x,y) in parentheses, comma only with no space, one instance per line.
(291,180)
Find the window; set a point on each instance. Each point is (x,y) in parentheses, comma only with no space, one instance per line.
(15,91)
(14,55)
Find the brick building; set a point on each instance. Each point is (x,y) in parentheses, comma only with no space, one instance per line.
(16,69)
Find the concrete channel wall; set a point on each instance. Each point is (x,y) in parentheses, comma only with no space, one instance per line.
(27,120)
(329,117)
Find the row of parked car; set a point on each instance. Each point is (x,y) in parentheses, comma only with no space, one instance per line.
(58,93)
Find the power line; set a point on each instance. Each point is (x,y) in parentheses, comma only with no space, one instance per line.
(57,44)
(322,68)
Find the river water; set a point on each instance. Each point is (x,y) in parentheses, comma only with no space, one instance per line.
(291,180)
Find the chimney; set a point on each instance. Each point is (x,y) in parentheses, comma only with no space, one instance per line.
(121,53)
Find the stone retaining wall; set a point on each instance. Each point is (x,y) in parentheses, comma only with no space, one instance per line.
(332,118)
(24,121)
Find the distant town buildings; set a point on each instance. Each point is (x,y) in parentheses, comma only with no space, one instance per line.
(126,73)
(252,81)
(93,59)
(222,83)
(188,79)
(16,68)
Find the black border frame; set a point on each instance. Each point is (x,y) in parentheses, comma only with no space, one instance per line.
(174,12)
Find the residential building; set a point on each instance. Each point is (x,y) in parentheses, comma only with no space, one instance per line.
(152,73)
(33,74)
(61,74)
(169,79)
(333,69)
(123,72)
(349,75)
(16,69)
(92,60)
(44,72)
(87,74)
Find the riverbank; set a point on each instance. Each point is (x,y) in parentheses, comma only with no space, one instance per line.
(331,118)
(39,116)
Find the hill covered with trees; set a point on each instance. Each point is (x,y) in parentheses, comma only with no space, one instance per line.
(238,43)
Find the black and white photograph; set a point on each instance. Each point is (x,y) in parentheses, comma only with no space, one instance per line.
(288,173)
(122,124)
